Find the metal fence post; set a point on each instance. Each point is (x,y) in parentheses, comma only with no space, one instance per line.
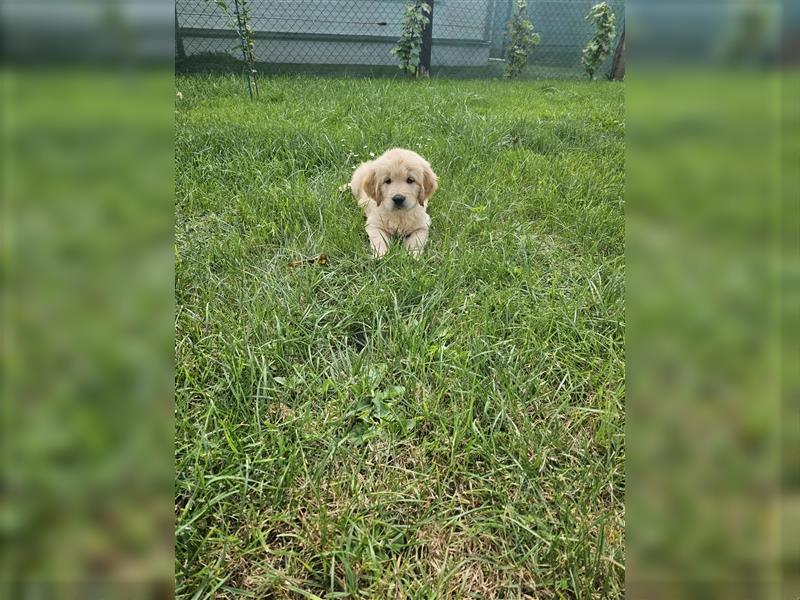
(427,43)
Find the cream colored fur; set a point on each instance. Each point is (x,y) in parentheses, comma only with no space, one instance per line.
(397,173)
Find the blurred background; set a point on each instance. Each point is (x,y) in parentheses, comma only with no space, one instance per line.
(87,502)
(713,259)
(713,509)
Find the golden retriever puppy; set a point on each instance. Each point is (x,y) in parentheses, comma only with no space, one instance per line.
(394,190)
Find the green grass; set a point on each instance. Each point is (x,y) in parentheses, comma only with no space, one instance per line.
(444,428)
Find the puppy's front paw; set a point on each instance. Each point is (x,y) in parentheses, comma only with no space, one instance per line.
(415,242)
(378,241)
(343,189)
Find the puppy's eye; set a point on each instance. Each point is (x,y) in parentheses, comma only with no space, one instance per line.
(410,180)
(387,180)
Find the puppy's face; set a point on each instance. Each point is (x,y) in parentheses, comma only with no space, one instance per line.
(400,181)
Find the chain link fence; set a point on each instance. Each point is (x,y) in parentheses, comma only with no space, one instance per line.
(355,36)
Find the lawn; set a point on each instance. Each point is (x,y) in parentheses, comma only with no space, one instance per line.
(451,427)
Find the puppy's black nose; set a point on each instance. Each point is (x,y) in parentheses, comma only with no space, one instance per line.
(398,199)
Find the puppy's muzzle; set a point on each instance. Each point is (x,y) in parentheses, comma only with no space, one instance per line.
(398,199)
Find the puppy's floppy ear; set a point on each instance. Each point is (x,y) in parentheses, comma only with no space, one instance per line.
(371,187)
(430,182)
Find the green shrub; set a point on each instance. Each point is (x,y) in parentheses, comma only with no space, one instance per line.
(599,46)
(409,45)
(520,39)
(241,24)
